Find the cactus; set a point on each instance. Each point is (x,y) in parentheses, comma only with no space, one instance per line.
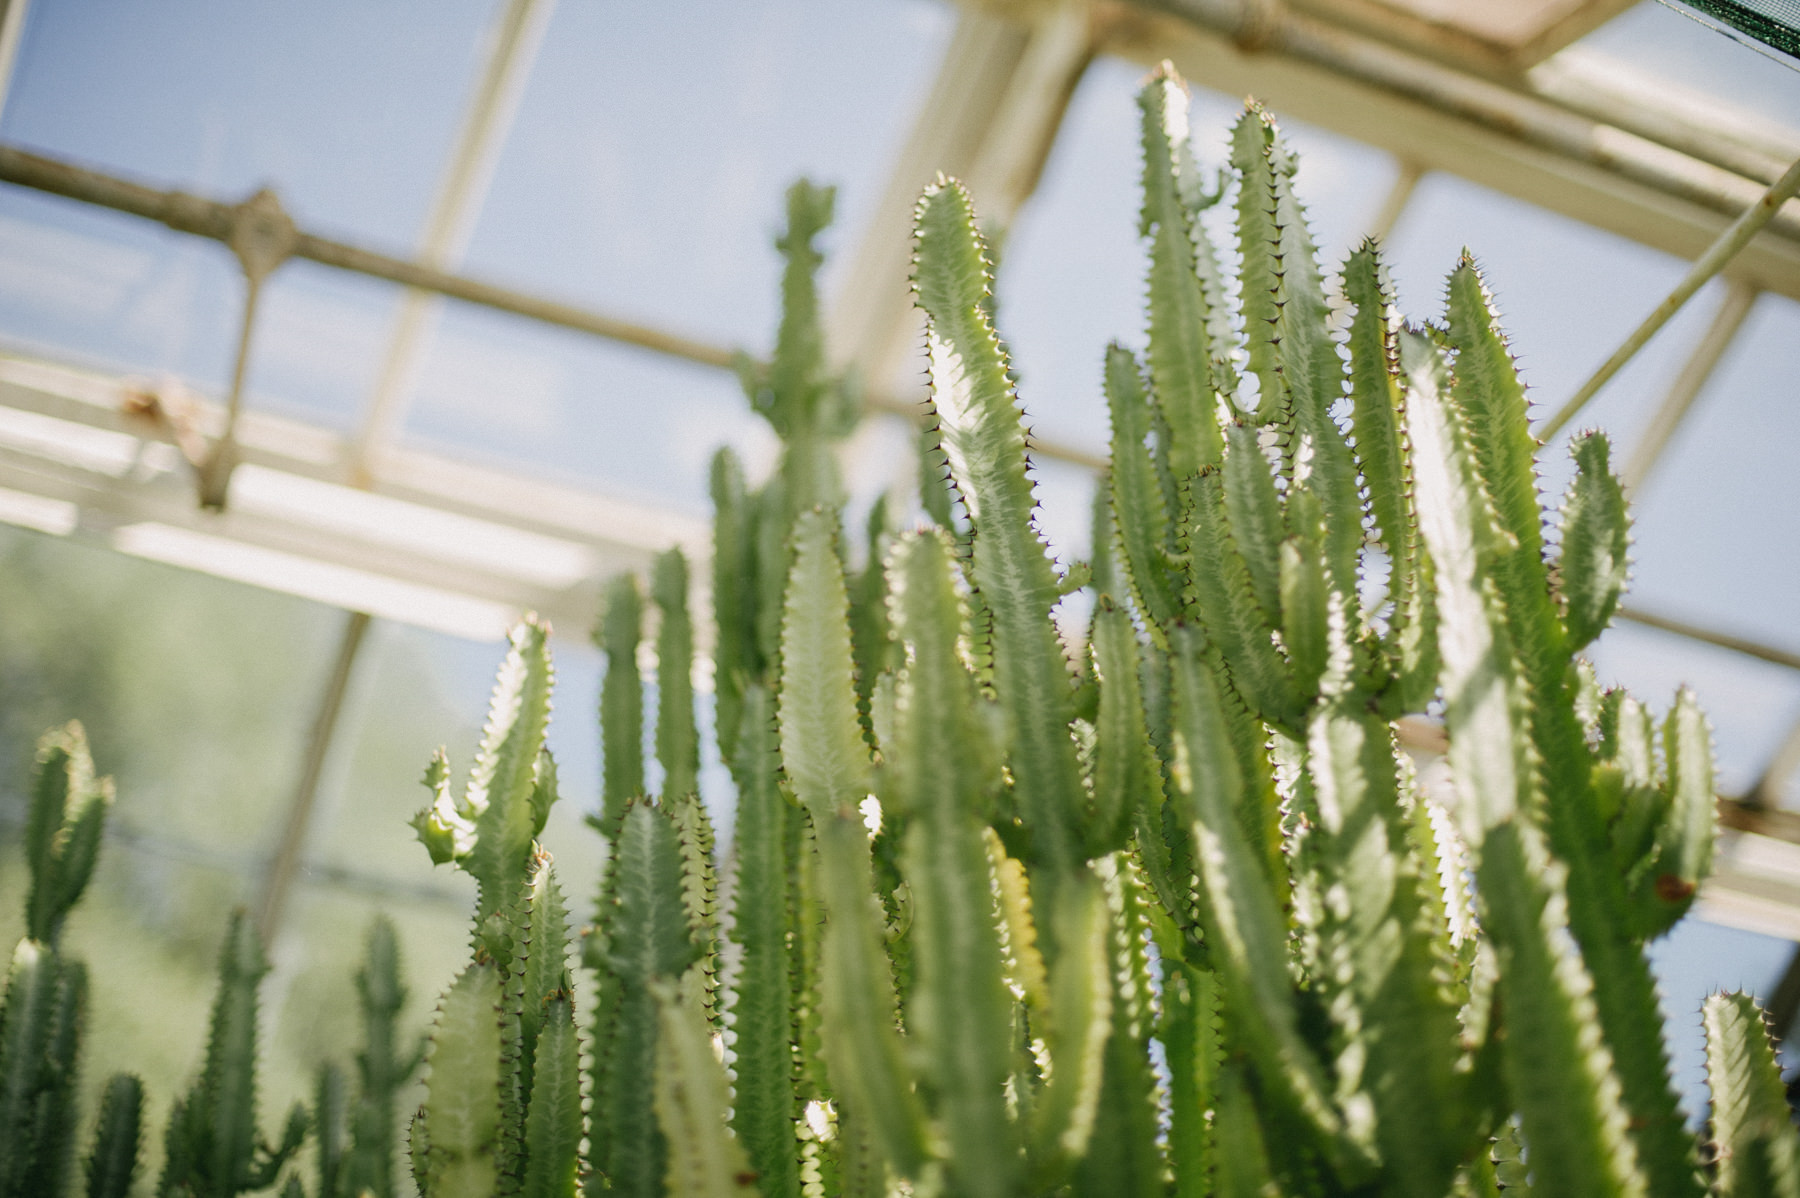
(44,1005)
(354,1133)
(977,894)
(118,1137)
(1752,1127)
(213,1148)
(1219,780)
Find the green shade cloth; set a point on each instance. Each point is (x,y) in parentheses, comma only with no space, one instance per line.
(1774,22)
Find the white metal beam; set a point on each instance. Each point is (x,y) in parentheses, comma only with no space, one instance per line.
(437,542)
(515,37)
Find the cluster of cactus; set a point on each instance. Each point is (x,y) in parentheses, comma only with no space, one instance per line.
(1161,910)
(1167,912)
(212,1148)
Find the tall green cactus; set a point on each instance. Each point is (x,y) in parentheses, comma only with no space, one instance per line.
(494,1122)
(1320,977)
(354,1133)
(44,1005)
(213,1148)
(1171,915)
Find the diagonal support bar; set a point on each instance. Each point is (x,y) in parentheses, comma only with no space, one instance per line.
(1735,238)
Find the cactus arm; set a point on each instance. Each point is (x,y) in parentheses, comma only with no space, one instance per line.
(1253,512)
(1246,932)
(1259,275)
(1556,1064)
(959,1013)
(1194,1036)
(1756,1146)
(1492,400)
(53,1117)
(677,741)
(1103,550)
(271,1159)
(646,936)
(822,747)
(118,1136)
(497,815)
(700,896)
(1180,355)
(735,658)
(1228,611)
(1596,538)
(226,1096)
(553,1119)
(27,1032)
(1137,497)
(1685,835)
(461,1116)
(1398,1032)
(1377,411)
(1489,396)
(762,1001)
(805,407)
(62,829)
(799,361)
(1375,404)
(1484,699)
(1558,1067)
(870,637)
(1024,964)
(861,1044)
(621,701)
(985,442)
(1299,370)
(773,560)
(1122,1156)
(1448,908)
(1127,776)
(539,977)
(691,1100)
(1080,1022)
(331,1131)
(382,1070)
(441,827)
(1306,597)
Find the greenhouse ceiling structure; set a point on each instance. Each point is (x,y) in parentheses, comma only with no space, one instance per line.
(439,325)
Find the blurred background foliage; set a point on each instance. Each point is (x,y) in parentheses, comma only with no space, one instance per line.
(197,695)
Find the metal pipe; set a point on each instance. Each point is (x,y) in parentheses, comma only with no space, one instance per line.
(191,214)
(1767,788)
(1739,298)
(1733,239)
(278,882)
(1722,640)
(1394,203)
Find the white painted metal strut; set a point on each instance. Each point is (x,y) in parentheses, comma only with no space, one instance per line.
(513,47)
(1695,372)
(516,37)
